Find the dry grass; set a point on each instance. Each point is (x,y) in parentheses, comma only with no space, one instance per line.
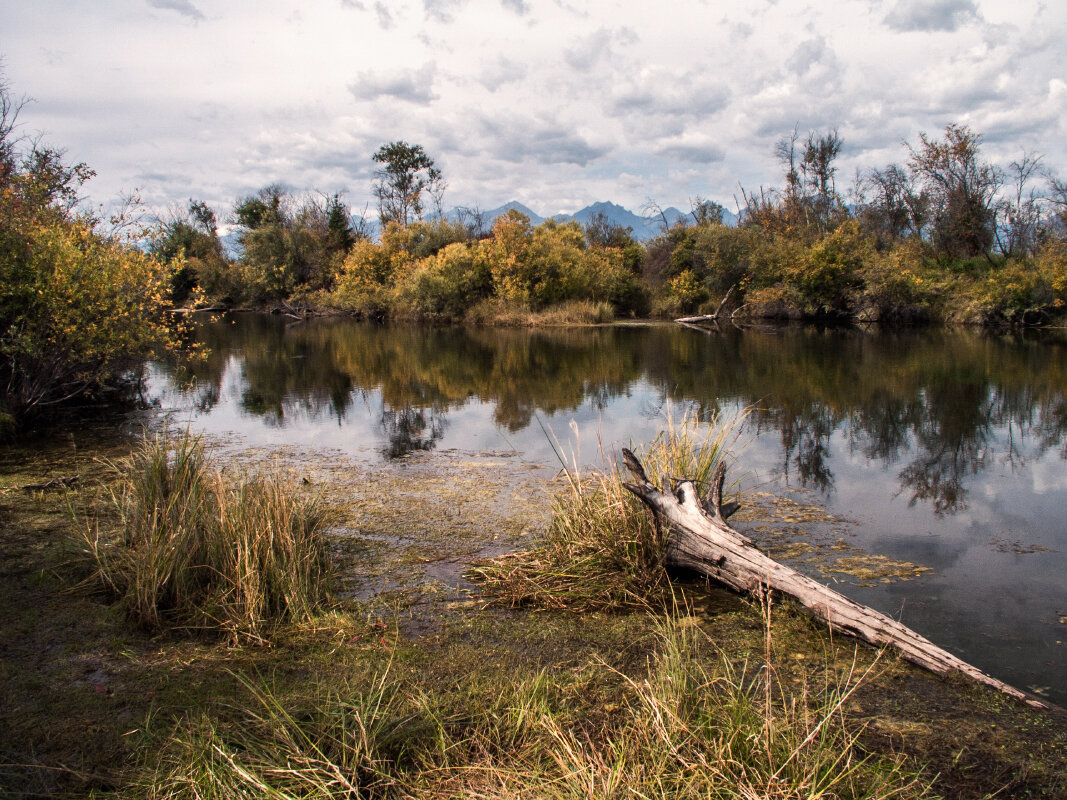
(692,728)
(193,548)
(573,312)
(602,549)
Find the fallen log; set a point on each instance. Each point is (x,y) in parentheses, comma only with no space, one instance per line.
(699,538)
(688,321)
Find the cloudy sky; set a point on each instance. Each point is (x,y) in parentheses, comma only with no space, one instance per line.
(556,103)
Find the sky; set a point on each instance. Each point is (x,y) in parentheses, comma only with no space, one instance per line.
(555,103)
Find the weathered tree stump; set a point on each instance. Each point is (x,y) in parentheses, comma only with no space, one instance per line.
(700,539)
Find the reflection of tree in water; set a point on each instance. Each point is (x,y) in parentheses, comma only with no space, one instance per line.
(411,429)
(953,438)
(942,400)
(806,441)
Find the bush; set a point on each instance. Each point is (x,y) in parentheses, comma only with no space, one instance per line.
(898,286)
(446,284)
(76,311)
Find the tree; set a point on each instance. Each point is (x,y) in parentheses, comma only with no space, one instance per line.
(706,212)
(810,197)
(1019,216)
(191,239)
(818,169)
(78,310)
(891,206)
(406,174)
(962,190)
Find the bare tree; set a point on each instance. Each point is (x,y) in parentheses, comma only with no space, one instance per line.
(962,190)
(1019,216)
(473,219)
(891,206)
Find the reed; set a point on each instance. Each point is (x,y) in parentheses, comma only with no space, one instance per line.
(602,549)
(194,548)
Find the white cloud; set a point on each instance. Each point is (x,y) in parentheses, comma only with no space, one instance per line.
(183,7)
(410,86)
(931,15)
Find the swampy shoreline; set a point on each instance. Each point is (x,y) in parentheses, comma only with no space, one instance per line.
(90,706)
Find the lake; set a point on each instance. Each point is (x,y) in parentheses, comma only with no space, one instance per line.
(923,472)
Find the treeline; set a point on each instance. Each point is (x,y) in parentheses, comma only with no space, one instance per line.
(943,236)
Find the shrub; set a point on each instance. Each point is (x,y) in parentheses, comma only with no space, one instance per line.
(898,286)
(687,290)
(76,311)
(446,284)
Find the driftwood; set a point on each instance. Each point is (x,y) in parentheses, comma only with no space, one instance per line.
(689,321)
(700,539)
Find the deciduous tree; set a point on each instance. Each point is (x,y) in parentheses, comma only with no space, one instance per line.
(407,173)
(962,189)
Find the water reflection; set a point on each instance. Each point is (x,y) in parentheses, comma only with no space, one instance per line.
(933,399)
(947,447)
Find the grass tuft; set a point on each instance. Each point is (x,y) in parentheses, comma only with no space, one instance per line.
(193,548)
(602,549)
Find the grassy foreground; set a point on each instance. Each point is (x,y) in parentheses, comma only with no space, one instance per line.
(710,697)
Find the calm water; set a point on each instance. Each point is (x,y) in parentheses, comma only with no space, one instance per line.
(944,449)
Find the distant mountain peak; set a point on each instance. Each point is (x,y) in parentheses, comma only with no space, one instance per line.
(642,227)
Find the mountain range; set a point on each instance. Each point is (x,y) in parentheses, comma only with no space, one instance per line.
(642,228)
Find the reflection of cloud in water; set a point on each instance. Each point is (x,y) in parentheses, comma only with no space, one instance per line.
(1048,475)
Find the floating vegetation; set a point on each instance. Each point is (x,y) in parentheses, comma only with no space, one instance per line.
(408,530)
(875,567)
(1015,546)
(805,532)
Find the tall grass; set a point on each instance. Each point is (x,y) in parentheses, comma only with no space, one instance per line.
(694,731)
(693,728)
(602,549)
(498,313)
(338,749)
(194,548)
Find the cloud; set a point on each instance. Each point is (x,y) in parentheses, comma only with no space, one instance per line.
(663,95)
(411,86)
(694,149)
(807,54)
(516,139)
(931,15)
(520,7)
(588,50)
(442,10)
(356,4)
(385,19)
(500,72)
(183,7)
